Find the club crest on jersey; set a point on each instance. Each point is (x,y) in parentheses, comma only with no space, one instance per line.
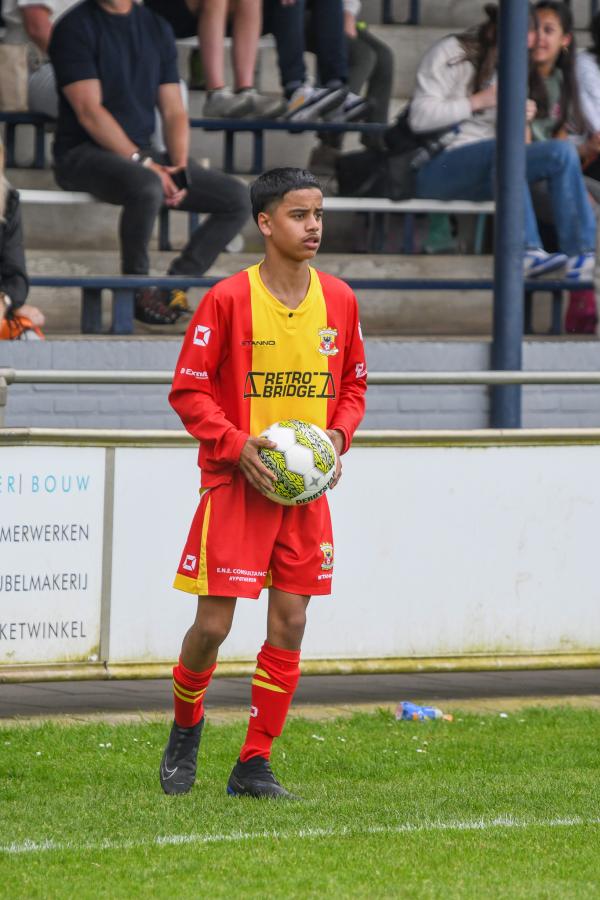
(327,551)
(327,345)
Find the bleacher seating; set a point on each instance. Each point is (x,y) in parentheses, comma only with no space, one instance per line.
(251,146)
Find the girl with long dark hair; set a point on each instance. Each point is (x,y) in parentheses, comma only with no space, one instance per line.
(456,90)
(555,62)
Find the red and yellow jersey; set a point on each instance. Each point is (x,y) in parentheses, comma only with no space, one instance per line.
(248,360)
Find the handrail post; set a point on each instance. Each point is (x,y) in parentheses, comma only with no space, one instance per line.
(510,208)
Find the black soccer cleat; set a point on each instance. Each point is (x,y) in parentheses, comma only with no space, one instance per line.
(254,778)
(178,765)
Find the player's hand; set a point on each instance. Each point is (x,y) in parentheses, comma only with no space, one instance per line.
(254,468)
(337,439)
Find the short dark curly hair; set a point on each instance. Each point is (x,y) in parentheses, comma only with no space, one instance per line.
(274,184)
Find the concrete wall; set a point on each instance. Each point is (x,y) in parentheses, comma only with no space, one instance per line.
(388,407)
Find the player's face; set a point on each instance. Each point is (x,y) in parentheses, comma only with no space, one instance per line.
(295,224)
(551,39)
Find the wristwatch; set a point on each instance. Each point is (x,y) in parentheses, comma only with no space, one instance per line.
(137,157)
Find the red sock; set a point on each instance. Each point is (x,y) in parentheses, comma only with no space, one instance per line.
(273,685)
(189,689)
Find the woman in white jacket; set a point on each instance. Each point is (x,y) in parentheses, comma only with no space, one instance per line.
(456,90)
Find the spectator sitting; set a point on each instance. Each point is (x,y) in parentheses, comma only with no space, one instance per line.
(456,92)
(208,19)
(370,62)
(587,69)
(557,94)
(18,320)
(299,25)
(31,21)
(115,61)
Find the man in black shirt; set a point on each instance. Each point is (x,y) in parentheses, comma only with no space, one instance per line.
(115,61)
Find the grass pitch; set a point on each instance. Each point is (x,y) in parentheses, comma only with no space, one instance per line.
(486,806)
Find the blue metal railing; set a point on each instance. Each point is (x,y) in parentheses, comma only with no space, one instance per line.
(123,289)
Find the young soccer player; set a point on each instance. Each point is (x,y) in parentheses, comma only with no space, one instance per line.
(276,341)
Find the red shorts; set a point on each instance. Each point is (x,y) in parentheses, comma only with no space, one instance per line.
(241,542)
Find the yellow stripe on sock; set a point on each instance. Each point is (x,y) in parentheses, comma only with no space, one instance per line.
(262,673)
(269,687)
(189,693)
(181,696)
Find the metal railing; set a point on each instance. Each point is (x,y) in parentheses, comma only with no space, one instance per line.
(484,378)
(10,377)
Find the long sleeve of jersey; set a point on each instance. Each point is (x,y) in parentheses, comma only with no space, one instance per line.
(196,386)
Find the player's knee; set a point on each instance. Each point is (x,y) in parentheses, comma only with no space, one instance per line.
(291,626)
(213,632)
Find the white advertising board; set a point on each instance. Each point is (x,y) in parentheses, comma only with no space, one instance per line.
(51,521)
(438,552)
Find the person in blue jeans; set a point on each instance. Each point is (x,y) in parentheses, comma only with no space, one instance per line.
(456,93)
(318,26)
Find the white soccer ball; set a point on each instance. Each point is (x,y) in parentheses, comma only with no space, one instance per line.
(304,461)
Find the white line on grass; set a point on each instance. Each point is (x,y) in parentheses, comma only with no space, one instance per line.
(168,840)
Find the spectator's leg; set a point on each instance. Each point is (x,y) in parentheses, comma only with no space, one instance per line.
(42,93)
(212,23)
(226,200)
(247,25)
(380,78)
(113,179)
(558,162)
(286,24)
(326,35)
(467,173)
(361,62)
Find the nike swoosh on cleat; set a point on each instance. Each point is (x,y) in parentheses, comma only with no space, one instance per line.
(170,772)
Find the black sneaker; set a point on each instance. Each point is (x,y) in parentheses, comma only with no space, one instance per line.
(151,308)
(254,778)
(178,765)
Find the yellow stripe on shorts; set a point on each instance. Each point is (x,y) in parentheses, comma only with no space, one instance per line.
(202,567)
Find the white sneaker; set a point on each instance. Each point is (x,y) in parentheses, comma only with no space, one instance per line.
(580,268)
(538,262)
(264,106)
(224,104)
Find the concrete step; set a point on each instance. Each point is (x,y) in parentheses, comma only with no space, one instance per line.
(386,313)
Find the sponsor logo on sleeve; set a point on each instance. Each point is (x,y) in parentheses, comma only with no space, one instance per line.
(189,563)
(200,375)
(327,341)
(361,370)
(202,335)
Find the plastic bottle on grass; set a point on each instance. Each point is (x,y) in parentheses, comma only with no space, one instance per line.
(415,713)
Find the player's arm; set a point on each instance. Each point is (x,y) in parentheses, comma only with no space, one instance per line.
(192,396)
(205,348)
(351,404)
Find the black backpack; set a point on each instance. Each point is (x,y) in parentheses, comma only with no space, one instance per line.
(389,172)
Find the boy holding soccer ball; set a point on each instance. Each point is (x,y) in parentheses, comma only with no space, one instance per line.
(276,341)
